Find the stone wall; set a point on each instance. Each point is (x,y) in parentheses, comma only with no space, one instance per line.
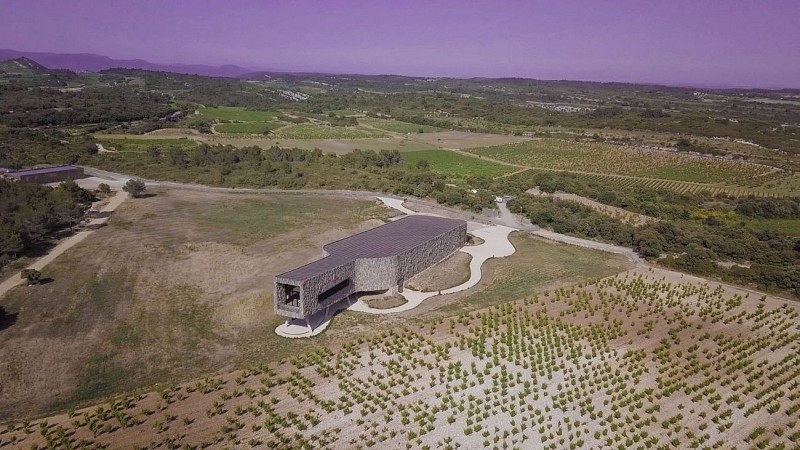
(426,255)
(376,274)
(310,290)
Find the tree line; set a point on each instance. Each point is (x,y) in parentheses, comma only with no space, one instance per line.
(30,213)
(767,259)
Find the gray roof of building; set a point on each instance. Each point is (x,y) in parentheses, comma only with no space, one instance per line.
(386,240)
(17,173)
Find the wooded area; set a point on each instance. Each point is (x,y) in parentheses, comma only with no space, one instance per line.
(30,214)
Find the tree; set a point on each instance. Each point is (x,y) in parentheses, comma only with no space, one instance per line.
(33,276)
(134,187)
(104,188)
(10,241)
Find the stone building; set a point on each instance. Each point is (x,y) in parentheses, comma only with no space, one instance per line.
(376,260)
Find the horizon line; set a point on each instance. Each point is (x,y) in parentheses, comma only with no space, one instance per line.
(252,70)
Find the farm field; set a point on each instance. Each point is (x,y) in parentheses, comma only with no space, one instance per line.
(339,146)
(314,131)
(788,188)
(122,143)
(452,163)
(247,127)
(607,158)
(646,358)
(464,139)
(239,114)
(175,286)
(397,126)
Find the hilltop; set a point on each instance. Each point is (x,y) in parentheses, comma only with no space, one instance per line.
(87,62)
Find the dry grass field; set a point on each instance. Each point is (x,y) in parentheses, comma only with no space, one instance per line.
(176,285)
(647,358)
(451,272)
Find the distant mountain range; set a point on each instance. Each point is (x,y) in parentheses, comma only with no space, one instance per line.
(87,62)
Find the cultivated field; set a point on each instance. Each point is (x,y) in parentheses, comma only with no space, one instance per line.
(170,135)
(644,359)
(316,131)
(790,185)
(452,163)
(123,144)
(239,114)
(612,159)
(397,126)
(463,139)
(247,128)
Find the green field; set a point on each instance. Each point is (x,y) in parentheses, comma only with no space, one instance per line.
(313,131)
(247,128)
(451,163)
(400,127)
(613,159)
(239,114)
(788,226)
(140,145)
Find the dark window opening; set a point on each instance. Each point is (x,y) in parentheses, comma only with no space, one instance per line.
(292,295)
(333,291)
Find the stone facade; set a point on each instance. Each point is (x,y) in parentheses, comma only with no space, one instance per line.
(376,260)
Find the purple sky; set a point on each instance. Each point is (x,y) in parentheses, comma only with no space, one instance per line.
(700,42)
